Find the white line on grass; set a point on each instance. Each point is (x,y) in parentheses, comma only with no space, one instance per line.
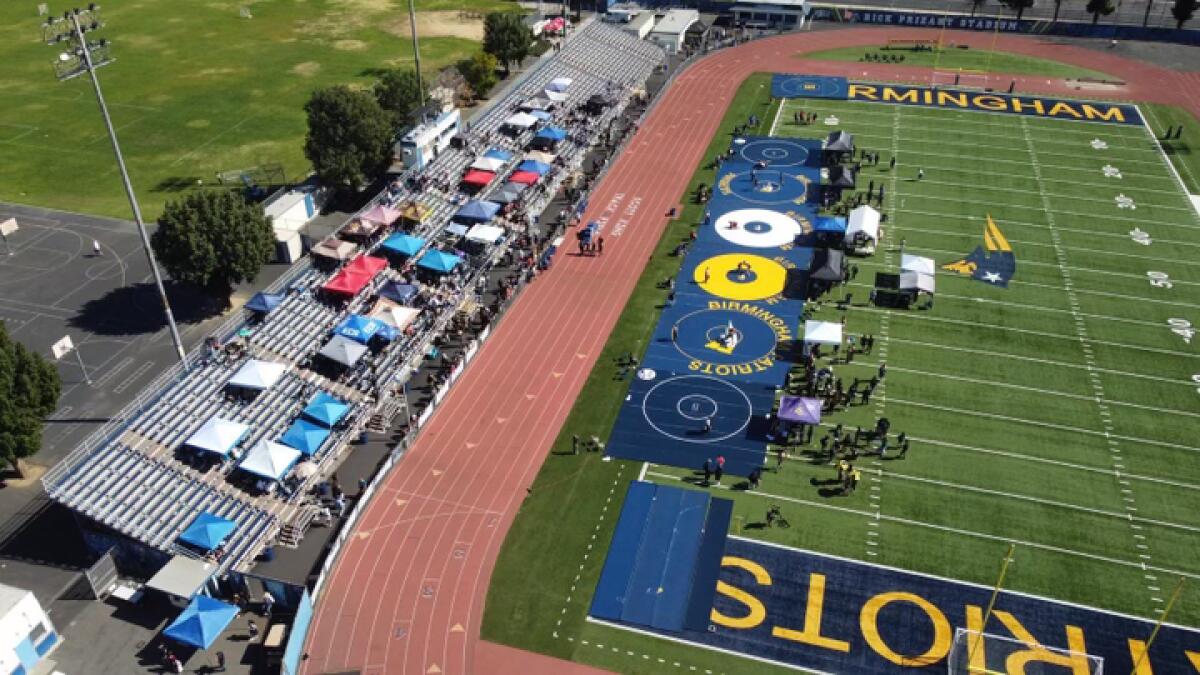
(1026,207)
(1040,244)
(1099,200)
(1167,160)
(1023,223)
(778,112)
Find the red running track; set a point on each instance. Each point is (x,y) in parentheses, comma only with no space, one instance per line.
(407,594)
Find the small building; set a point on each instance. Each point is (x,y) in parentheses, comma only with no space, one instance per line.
(290,210)
(420,146)
(26,634)
(640,25)
(775,14)
(671,29)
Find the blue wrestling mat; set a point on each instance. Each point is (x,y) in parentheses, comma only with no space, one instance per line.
(809,86)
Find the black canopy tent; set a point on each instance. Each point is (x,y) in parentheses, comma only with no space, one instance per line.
(838,145)
(828,265)
(596,104)
(841,177)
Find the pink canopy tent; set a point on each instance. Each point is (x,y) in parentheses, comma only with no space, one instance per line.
(384,215)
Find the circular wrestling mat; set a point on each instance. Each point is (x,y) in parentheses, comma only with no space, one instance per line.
(776,153)
(758,228)
(764,278)
(677,408)
(722,338)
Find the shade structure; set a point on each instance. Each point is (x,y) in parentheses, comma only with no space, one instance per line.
(829,224)
(839,141)
(335,249)
(917,263)
(477,211)
(218,436)
(414,211)
(478,178)
(823,332)
(539,156)
(395,316)
(559,84)
(384,215)
(343,350)
(207,531)
(363,329)
(554,134)
(305,436)
(800,409)
(439,261)
(541,115)
(828,265)
(201,622)
(521,120)
(842,177)
(485,234)
(256,374)
(486,163)
(917,281)
(403,244)
(536,104)
(401,293)
(524,177)
(264,302)
(497,153)
(509,193)
(540,168)
(863,219)
(325,409)
(269,459)
(355,275)
(182,576)
(361,227)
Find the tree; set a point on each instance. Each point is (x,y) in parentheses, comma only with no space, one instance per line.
(1098,7)
(1019,6)
(1183,10)
(29,389)
(401,93)
(506,37)
(213,239)
(480,72)
(349,137)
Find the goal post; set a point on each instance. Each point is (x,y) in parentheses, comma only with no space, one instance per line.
(977,653)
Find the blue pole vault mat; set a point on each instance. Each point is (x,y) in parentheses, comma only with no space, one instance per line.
(809,86)
(664,558)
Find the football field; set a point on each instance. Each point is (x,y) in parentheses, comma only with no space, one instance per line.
(1059,414)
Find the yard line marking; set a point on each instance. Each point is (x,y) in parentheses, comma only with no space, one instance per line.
(1025,242)
(1100,200)
(1166,160)
(1124,236)
(1010,205)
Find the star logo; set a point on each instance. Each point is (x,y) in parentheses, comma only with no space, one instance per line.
(1098,144)
(991,277)
(1124,202)
(1111,171)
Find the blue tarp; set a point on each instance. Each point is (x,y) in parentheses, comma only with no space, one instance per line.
(398,292)
(478,211)
(501,155)
(404,244)
(201,622)
(326,409)
(207,531)
(829,224)
(540,168)
(362,328)
(439,261)
(305,436)
(541,115)
(551,134)
(264,302)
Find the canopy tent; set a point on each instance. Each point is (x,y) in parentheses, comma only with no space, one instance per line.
(394,315)
(841,176)
(361,227)
(413,211)
(384,215)
(457,229)
(218,436)
(305,436)
(521,120)
(829,224)
(269,459)
(800,409)
(486,234)
(863,219)
(916,263)
(477,211)
(596,103)
(264,303)
(486,163)
(182,576)
(201,622)
(363,329)
(335,249)
(823,332)
(343,350)
(540,168)
(828,265)
(305,470)
(439,261)
(366,264)
(477,178)
(207,531)
(839,141)
(553,134)
(356,275)
(541,115)
(537,104)
(399,292)
(524,177)
(509,193)
(539,156)
(557,89)
(403,244)
(497,153)
(917,281)
(255,374)
(325,409)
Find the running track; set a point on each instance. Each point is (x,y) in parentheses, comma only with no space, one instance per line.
(407,594)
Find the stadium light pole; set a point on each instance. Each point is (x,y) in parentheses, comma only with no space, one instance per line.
(71,29)
(412,22)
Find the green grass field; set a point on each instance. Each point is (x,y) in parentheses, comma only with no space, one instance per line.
(194,90)
(981,60)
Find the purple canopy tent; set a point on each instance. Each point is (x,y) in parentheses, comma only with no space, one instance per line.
(800,409)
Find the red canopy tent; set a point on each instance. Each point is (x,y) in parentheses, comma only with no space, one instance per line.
(356,275)
(524,177)
(478,178)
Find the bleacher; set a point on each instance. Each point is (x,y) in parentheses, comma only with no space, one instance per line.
(132,475)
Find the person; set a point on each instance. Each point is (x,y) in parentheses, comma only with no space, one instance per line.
(903,448)
(707,424)
(675,333)
(96,250)
(252,631)
(599,245)
(920,174)
(268,602)
(362,485)
(340,503)
(708,466)
(707,275)
(882,370)
(220,661)
(718,472)
(779,457)
(773,514)
(755,476)
(176,664)
(892,163)
(574,444)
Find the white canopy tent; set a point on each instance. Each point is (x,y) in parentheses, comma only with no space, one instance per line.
(269,459)
(218,435)
(485,234)
(521,120)
(917,280)
(182,577)
(394,314)
(822,333)
(863,219)
(258,374)
(488,164)
(557,89)
(916,263)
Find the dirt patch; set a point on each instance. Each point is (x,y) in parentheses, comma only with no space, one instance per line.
(365,5)
(350,45)
(437,24)
(306,69)
(198,124)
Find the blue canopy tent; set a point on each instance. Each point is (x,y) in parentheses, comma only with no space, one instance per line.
(363,329)
(403,244)
(325,409)
(264,302)
(496,153)
(305,436)
(401,293)
(478,211)
(207,531)
(540,168)
(439,261)
(541,115)
(552,134)
(829,224)
(201,622)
